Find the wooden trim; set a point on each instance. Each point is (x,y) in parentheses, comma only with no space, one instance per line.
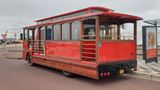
(81,37)
(90,44)
(44,41)
(62,40)
(88,53)
(33,38)
(27,38)
(117,40)
(97,38)
(73,67)
(52,31)
(60,57)
(89,48)
(88,57)
(67,62)
(39,38)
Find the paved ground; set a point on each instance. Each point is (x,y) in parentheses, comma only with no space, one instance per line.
(18,75)
(152,67)
(11,51)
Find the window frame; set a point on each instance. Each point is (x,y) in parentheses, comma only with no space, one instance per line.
(25,35)
(51,29)
(69,29)
(60,28)
(78,39)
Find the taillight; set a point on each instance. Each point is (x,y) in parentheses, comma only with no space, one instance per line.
(108,73)
(102,75)
(105,74)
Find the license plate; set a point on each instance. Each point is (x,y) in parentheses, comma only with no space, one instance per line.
(121,71)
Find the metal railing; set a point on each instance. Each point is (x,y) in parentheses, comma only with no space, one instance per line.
(37,46)
(108,37)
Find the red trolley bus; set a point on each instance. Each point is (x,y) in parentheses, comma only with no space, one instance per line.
(88,42)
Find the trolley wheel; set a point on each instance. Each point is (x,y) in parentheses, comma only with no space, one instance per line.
(67,74)
(30,60)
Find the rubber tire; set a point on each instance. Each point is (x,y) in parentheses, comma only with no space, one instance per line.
(67,74)
(30,60)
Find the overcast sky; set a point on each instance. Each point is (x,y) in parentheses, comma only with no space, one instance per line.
(24,12)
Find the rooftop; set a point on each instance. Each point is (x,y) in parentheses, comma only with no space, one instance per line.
(81,10)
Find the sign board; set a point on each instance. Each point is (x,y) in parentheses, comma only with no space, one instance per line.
(149,43)
(4,36)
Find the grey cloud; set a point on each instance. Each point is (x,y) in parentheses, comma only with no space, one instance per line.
(24,12)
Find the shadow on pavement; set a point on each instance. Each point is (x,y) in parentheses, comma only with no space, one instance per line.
(110,80)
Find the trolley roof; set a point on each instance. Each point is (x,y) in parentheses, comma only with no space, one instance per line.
(118,18)
(81,10)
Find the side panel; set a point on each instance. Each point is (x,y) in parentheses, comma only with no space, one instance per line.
(79,68)
(111,51)
(25,49)
(66,49)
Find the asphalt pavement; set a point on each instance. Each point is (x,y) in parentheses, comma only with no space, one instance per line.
(16,74)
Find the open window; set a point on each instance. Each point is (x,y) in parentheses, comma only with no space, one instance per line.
(89,28)
(116,29)
(57,32)
(75,30)
(48,32)
(66,31)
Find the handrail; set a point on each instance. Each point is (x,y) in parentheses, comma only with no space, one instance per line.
(37,46)
(109,37)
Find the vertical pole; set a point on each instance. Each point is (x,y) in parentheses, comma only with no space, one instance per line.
(44,42)
(33,39)
(135,31)
(14,29)
(118,32)
(97,37)
(52,32)
(39,38)
(107,32)
(4,46)
(156,41)
(23,36)
(135,37)
(81,38)
(27,38)
(61,30)
(70,24)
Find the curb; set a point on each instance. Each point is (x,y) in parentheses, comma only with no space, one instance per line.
(143,75)
(15,50)
(13,58)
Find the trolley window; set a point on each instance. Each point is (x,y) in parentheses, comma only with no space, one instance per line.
(66,31)
(48,32)
(76,30)
(57,32)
